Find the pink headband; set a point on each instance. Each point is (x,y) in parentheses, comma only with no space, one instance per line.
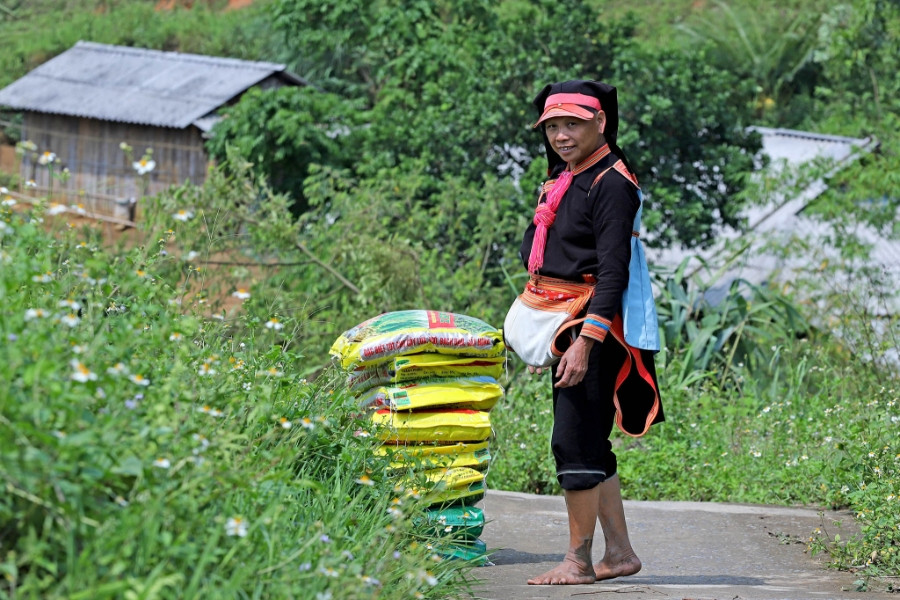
(582,99)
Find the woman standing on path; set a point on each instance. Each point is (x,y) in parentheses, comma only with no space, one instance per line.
(585,231)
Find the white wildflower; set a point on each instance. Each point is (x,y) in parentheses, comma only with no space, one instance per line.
(117,369)
(70,304)
(144,166)
(206,370)
(236,526)
(70,319)
(35,313)
(139,379)
(81,373)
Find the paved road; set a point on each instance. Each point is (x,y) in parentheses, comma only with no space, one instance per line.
(690,550)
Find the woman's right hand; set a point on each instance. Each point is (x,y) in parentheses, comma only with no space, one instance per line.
(537,370)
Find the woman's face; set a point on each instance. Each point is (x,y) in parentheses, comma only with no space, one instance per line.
(575,139)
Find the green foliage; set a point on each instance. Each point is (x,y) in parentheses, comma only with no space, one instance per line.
(451,86)
(801,440)
(284,131)
(448,83)
(684,132)
(405,242)
(45,31)
(150,449)
(859,50)
(769,44)
(734,335)
(522,459)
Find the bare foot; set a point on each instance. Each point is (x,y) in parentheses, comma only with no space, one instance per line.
(611,567)
(569,572)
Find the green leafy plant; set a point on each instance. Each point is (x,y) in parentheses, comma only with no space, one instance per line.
(150,447)
(772,46)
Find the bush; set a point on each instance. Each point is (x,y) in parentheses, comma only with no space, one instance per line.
(149,448)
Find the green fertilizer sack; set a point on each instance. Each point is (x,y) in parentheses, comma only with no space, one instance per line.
(475,551)
(413,331)
(457,521)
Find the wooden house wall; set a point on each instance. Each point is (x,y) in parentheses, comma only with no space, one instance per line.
(100,172)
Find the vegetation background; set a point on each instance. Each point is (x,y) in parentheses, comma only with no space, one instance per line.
(403,178)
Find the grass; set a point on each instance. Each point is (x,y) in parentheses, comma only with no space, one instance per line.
(35,33)
(150,448)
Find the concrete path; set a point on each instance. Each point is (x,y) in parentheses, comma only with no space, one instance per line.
(690,551)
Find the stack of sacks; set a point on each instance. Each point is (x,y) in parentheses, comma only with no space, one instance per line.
(428,380)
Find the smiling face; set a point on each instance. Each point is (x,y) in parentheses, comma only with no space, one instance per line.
(575,139)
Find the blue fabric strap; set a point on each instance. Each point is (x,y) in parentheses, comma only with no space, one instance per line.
(638,305)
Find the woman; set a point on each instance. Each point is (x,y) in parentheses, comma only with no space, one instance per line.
(584,231)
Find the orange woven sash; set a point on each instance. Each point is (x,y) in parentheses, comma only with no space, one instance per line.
(557,295)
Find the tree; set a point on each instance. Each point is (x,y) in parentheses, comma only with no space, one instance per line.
(683,126)
(771,44)
(450,84)
(284,131)
(859,95)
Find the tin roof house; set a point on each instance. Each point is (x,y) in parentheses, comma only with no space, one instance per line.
(98,108)
(783,244)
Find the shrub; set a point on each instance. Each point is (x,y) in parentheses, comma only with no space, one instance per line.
(149,448)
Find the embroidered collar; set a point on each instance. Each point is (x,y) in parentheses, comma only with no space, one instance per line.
(591,160)
(581,167)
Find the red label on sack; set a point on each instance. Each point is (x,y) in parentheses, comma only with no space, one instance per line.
(439,320)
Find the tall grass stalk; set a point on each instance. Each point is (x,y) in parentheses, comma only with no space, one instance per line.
(149,447)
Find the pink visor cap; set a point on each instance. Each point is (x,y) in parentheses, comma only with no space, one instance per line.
(580,106)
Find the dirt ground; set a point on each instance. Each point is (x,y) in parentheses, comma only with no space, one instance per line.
(217,284)
(171,4)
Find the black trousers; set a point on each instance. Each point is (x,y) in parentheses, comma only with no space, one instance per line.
(583,418)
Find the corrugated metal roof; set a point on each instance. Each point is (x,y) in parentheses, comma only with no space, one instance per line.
(755,254)
(789,147)
(135,85)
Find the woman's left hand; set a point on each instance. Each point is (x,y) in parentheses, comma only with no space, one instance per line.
(574,363)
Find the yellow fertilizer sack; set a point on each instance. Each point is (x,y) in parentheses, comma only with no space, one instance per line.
(478,393)
(425,456)
(412,331)
(461,425)
(416,367)
(459,485)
